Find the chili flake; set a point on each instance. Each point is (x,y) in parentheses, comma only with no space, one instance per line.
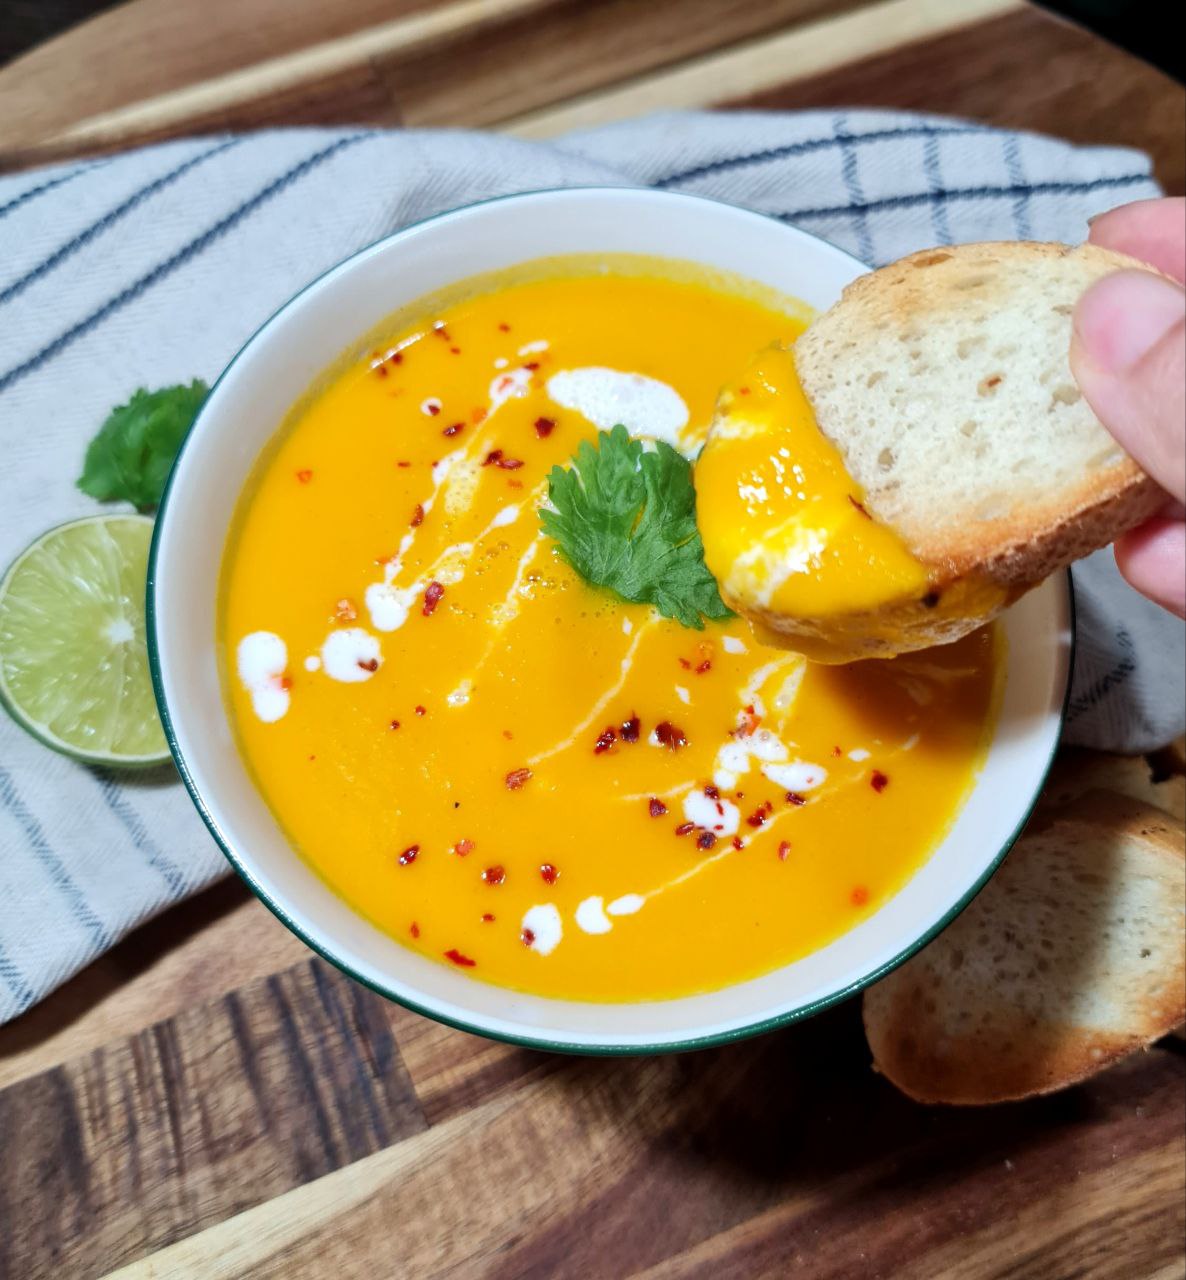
(878,781)
(304,475)
(409,855)
(345,610)
(670,736)
(417,516)
(544,427)
(496,458)
(414,930)
(464,961)
(655,807)
(527,937)
(548,873)
(605,740)
(477,416)
(859,896)
(495,875)
(504,327)
(630,729)
(419,710)
(705,840)
(784,848)
(432,597)
(713,793)
(463,847)
(487,918)
(395,724)
(453,429)
(517,778)
(793,797)
(738,843)
(684,828)
(704,666)
(368,664)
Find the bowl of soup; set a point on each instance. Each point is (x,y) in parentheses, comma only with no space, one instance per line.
(487,789)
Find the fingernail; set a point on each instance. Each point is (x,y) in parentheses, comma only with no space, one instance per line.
(1122,317)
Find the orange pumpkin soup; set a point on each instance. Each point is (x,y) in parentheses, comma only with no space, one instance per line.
(516,773)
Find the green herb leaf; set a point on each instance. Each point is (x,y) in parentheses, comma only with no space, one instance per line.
(132,453)
(625,519)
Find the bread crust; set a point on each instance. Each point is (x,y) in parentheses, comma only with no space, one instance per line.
(1001,1050)
(1018,548)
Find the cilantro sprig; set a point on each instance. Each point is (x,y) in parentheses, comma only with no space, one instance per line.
(133,451)
(624,517)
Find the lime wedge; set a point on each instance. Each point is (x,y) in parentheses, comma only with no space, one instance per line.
(73,663)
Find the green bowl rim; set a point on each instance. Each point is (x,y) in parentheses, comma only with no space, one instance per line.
(528,1041)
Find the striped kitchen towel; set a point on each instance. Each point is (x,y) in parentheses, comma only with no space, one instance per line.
(154,267)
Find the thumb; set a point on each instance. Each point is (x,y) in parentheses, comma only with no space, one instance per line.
(1128,355)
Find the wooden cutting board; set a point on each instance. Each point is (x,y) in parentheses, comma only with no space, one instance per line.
(209,1100)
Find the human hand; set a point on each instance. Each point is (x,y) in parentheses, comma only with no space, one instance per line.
(1128,355)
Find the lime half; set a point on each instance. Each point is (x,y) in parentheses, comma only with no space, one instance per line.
(73,663)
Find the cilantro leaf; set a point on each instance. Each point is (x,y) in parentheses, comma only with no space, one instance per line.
(133,451)
(625,519)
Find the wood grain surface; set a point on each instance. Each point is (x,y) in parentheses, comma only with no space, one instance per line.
(209,1100)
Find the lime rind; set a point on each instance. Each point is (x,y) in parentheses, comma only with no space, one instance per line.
(73,661)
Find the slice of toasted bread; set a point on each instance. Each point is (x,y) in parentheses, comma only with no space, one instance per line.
(944,379)
(1069,959)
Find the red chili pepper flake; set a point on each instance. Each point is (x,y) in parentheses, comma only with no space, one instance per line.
(417,516)
(705,666)
(453,429)
(837,752)
(496,458)
(605,740)
(395,724)
(477,415)
(368,664)
(286,682)
(419,710)
(504,327)
(414,929)
(532,365)
(713,793)
(403,462)
(432,597)
(860,507)
(345,610)
(705,840)
(738,843)
(508,735)
(517,778)
(548,873)
(756,819)
(395,357)
(514,484)
(464,961)
(304,475)
(687,666)
(878,781)
(684,828)
(495,875)
(464,847)
(409,855)
(630,729)
(784,848)
(749,722)
(793,797)
(544,427)
(859,896)
(380,369)
(655,807)
(440,331)
(487,918)
(743,391)
(527,937)
(670,736)
(454,351)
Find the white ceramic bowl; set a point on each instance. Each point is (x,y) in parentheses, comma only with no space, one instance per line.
(245,408)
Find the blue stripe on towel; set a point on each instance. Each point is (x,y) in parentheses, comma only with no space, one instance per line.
(141,841)
(109,219)
(51,863)
(807,146)
(180,258)
(856,193)
(33,192)
(15,982)
(1021,211)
